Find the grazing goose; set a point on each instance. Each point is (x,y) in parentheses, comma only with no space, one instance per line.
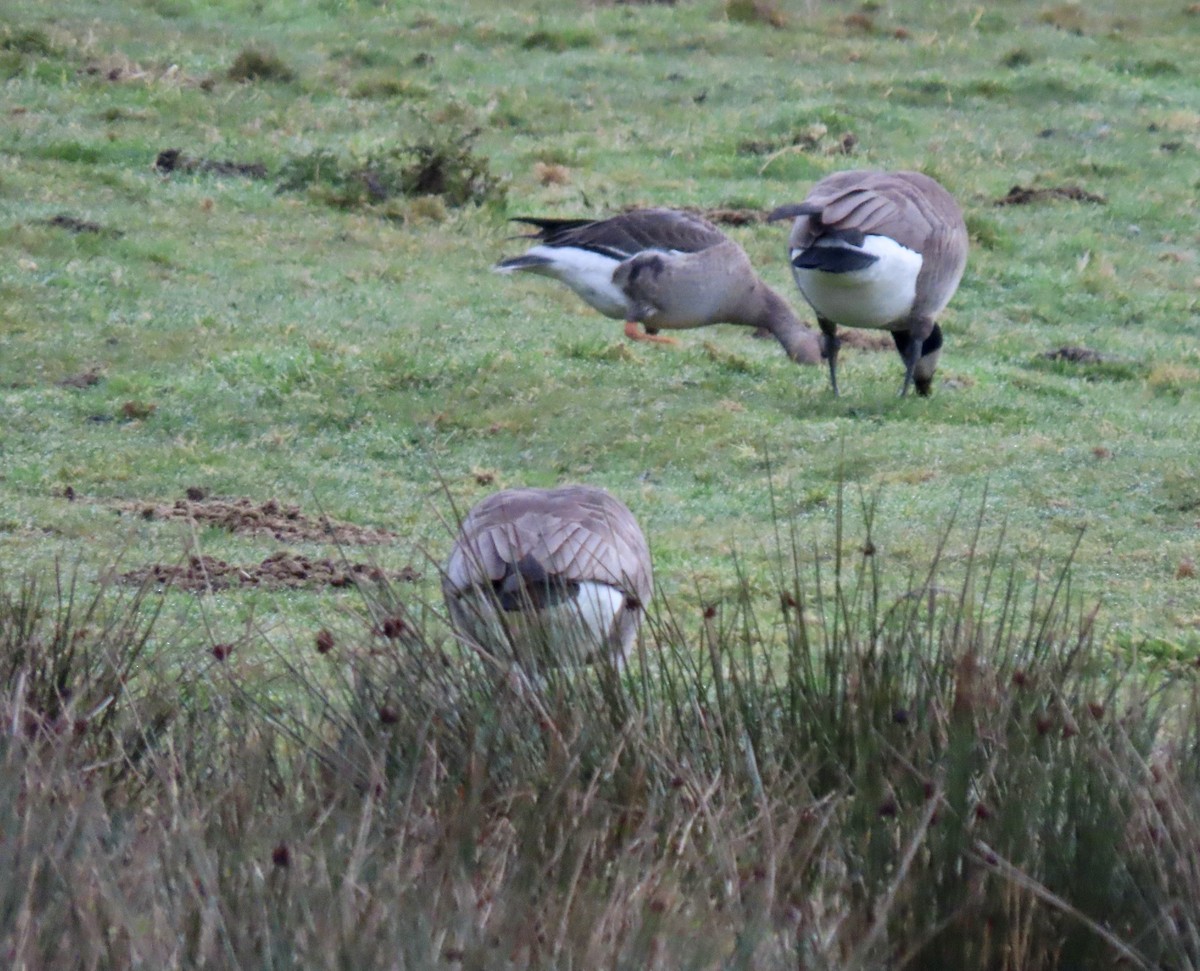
(670,270)
(549,576)
(882,250)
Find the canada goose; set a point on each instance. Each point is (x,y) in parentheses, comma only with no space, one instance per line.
(670,270)
(549,576)
(882,250)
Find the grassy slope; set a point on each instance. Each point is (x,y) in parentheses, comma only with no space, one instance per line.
(336,358)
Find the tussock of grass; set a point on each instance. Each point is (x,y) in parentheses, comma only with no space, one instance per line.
(1180,492)
(911,764)
(1096,368)
(1173,379)
(69,654)
(1017,57)
(756,12)
(259,64)
(27,40)
(384,86)
(560,40)
(1070,17)
(442,166)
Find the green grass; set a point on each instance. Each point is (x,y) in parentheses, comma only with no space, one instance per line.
(960,776)
(363,360)
(188,782)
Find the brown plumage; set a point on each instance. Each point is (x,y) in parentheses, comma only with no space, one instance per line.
(882,250)
(667,269)
(549,575)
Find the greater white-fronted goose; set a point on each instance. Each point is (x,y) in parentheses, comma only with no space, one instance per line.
(666,269)
(549,576)
(881,250)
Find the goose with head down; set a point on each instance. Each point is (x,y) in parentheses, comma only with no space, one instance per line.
(664,268)
(549,577)
(880,250)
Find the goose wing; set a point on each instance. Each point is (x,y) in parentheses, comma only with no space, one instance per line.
(629,233)
(576,533)
(908,207)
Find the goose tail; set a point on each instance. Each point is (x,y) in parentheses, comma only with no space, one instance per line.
(526,262)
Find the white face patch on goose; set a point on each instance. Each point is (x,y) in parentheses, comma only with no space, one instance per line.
(875,296)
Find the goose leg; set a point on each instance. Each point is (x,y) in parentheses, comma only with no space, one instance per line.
(911,356)
(634,334)
(829,329)
(911,345)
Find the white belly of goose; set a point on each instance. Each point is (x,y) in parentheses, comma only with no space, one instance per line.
(570,632)
(588,274)
(877,296)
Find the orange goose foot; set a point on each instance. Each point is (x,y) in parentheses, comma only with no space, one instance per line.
(634,334)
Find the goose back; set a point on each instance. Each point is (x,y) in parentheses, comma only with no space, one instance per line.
(909,208)
(570,557)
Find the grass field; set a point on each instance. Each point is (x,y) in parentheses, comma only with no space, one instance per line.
(245,288)
(347,353)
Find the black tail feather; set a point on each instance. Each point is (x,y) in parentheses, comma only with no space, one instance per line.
(833,259)
(527,585)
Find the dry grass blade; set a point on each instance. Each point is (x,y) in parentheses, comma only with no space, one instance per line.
(866,789)
(987,857)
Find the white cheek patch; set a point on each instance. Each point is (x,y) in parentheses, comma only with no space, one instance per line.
(877,296)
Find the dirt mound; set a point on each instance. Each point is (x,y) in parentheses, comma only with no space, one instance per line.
(271,518)
(722,215)
(860,340)
(76,225)
(732,215)
(1020,195)
(278,571)
(866,340)
(1076,355)
(174,160)
(83,379)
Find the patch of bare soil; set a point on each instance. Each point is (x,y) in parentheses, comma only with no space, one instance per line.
(84,379)
(282,570)
(866,340)
(76,225)
(171,160)
(726,216)
(722,215)
(1020,195)
(273,518)
(121,71)
(1075,355)
(860,340)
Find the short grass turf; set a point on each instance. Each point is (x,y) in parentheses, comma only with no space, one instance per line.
(253,337)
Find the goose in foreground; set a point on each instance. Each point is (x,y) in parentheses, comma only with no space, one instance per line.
(549,576)
(667,269)
(881,250)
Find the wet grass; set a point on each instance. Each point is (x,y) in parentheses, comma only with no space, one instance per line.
(262,343)
(865,728)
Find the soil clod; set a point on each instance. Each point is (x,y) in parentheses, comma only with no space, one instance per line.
(282,570)
(76,225)
(244,516)
(1020,195)
(84,379)
(865,340)
(1076,355)
(171,160)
